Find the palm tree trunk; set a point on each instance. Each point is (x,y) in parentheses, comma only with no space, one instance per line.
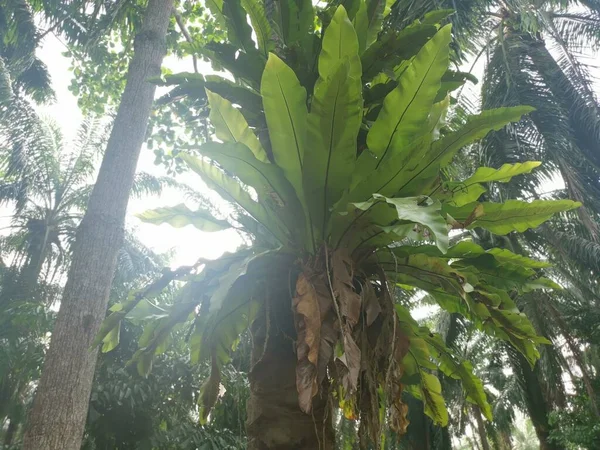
(10,432)
(537,407)
(485,445)
(573,346)
(275,420)
(60,408)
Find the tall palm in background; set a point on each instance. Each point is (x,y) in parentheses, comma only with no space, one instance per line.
(536,54)
(45,183)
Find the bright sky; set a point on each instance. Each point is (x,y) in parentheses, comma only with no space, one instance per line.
(188,243)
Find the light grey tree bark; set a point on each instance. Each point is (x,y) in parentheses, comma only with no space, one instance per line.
(60,408)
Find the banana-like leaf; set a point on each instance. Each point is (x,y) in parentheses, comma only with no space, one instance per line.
(231,126)
(247,66)
(437,16)
(233,305)
(376,11)
(361,26)
(471,189)
(180,215)
(394,47)
(447,362)
(231,15)
(421,210)
(294,20)
(467,250)
(121,310)
(272,188)
(284,101)
(429,391)
(334,120)
(451,81)
(402,177)
(452,367)
(504,174)
(232,191)
(406,109)
(260,23)
(513,215)
(463,288)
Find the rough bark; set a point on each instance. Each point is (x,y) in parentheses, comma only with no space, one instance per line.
(275,420)
(60,408)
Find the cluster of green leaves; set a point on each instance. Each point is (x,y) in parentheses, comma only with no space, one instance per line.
(336,170)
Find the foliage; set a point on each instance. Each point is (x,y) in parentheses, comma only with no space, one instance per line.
(577,427)
(348,217)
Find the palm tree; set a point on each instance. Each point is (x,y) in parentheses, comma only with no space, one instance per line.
(336,201)
(45,185)
(536,56)
(536,53)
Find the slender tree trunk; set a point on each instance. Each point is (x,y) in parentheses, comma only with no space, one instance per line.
(485,445)
(573,346)
(60,408)
(537,407)
(275,420)
(10,432)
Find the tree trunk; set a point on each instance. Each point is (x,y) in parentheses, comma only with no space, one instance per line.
(60,408)
(537,407)
(275,420)
(485,445)
(10,432)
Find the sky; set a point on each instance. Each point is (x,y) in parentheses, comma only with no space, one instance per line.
(187,243)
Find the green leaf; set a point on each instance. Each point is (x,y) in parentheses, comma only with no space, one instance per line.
(271,186)
(260,23)
(247,66)
(180,216)
(375,9)
(111,340)
(232,191)
(394,47)
(513,215)
(334,120)
(230,125)
(413,176)
(361,26)
(424,211)
(467,250)
(437,16)
(231,15)
(284,101)
(294,20)
(453,80)
(452,367)
(339,43)
(406,109)
(503,175)
(233,305)
(470,190)
(430,393)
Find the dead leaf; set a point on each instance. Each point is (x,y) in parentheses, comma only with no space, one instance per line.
(371,302)
(351,360)
(343,286)
(401,346)
(307,319)
(329,336)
